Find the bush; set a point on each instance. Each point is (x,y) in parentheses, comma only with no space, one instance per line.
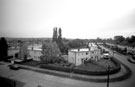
(31,63)
(55,67)
(6,58)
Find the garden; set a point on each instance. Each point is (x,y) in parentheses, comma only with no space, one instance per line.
(89,68)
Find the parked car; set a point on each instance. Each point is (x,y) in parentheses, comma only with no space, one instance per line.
(14,67)
(114,51)
(106,56)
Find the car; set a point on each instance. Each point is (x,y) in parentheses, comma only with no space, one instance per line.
(114,51)
(106,56)
(14,67)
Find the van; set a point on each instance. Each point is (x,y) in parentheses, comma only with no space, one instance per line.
(106,55)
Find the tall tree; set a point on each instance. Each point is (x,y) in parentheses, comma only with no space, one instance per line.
(60,35)
(119,39)
(49,51)
(3,48)
(132,39)
(76,43)
(55,35)
(53,39)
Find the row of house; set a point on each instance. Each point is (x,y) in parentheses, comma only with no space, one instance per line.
(75,56)
(34,51)
(128,48)
(79,56)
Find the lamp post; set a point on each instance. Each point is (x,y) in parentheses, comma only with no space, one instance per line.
(108,72)
(113,52)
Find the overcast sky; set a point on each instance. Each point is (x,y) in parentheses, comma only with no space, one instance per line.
(77,18)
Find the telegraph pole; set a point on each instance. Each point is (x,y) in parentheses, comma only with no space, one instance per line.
(108,70)
(113,51)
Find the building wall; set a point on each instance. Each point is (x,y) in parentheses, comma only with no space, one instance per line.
(78,57)
(35,55)
(81,56)
(35,51)
(96,54)
(71,57)
(12,52)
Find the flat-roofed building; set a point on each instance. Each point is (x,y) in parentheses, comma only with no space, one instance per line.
(79,56)
(35,51)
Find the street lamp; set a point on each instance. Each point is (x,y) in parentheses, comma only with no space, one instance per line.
(113,51)
(108,73)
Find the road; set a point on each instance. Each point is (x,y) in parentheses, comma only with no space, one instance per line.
(33,79)
(128,82)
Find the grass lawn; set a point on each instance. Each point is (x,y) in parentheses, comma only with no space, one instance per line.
(90,67)
(97,66)
(105,63)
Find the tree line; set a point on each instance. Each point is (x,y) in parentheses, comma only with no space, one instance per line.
(119,40)
(128,41)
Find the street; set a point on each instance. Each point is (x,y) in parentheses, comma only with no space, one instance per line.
(128,82)
(33,79)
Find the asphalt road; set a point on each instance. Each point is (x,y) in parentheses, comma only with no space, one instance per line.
(33,79)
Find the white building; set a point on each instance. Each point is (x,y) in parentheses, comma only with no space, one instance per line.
(35,51)
(35,54)
(79,56)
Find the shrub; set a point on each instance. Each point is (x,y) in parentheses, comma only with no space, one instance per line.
(55,67)
(6,58)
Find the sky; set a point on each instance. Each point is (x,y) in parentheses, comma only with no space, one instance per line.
(84,19)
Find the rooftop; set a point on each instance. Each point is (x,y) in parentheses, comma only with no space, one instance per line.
(82,49)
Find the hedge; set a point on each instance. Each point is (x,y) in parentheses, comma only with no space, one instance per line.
(64,69)
(6,58)
(85,72)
